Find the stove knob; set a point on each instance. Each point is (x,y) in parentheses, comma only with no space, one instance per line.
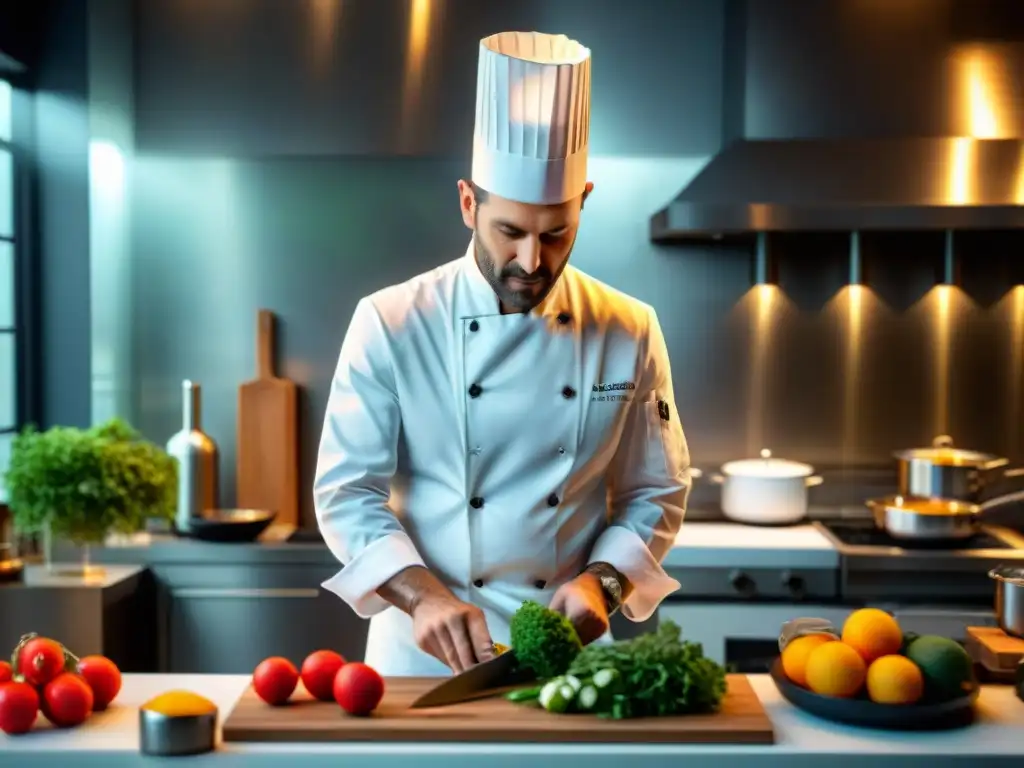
(795,585)
(743,583)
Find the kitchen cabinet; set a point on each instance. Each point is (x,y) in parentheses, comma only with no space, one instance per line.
(392,77)
(110,614)
(226,619)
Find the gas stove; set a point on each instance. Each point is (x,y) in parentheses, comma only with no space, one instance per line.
(877,566)
(862,535)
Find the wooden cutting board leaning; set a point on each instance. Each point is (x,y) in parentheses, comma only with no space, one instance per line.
(741,719)
(267,452)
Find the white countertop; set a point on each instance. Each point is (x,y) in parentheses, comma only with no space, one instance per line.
(751,546)
(110,739)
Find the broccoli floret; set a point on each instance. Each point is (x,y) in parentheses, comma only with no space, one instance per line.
(543,640)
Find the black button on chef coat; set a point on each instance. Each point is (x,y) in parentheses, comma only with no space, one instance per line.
(475,390)
(540,583)
(478,583)
(553,500)
(476,502)
(568,393)
(474,326)
(564,318)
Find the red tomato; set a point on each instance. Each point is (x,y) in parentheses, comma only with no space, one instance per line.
(19,706)
(103,677)
(358,688)
(318,673)
(6,673)
(41,660)
(275,680)
(67,700)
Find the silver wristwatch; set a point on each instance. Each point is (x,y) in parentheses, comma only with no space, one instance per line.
(611,584)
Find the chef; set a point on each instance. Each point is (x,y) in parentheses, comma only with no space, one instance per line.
(503,428)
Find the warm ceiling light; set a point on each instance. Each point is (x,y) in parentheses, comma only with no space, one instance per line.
(764,265)
(856,264)
(950,273)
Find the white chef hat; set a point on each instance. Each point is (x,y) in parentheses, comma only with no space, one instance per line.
(532,117)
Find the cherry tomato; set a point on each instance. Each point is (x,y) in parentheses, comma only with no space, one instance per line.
(358,688)
(275,679)
(67,700)
(318,673)
(19,707)
(103,677)
(40,660)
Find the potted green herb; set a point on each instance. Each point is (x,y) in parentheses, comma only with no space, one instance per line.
(83,484)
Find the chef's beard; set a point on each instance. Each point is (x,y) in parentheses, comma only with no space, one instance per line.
(519,300)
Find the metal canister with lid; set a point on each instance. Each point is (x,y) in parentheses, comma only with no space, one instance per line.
(795,628)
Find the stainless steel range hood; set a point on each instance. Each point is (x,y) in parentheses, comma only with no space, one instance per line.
(857,115)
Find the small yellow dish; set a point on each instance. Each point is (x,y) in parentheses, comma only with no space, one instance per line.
(177,723)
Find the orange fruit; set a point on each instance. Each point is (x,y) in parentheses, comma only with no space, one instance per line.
(894,680)
(873,633)
(835,669)
(794,656)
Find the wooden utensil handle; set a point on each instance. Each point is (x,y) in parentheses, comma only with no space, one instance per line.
(265,345)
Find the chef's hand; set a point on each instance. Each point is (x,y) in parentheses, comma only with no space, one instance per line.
(452,631)
(582,602)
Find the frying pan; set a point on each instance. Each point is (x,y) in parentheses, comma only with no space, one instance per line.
(908,517)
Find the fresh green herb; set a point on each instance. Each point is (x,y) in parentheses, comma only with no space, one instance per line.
(85,483)
(543,640)
(651,675)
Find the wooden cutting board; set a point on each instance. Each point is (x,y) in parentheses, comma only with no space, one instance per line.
(995,650)
(741,720)
(267,452)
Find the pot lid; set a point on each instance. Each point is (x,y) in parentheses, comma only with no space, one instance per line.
(767,467)
(1010,573)
(943,453)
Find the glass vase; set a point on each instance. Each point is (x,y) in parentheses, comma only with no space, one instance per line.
(47,542)
(88,569)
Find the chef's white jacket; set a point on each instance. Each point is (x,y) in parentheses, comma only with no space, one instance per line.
(503,452)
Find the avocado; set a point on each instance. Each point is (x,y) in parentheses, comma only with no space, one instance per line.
(947,668)
(908,638)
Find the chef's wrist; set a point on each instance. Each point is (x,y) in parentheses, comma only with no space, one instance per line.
(411,587)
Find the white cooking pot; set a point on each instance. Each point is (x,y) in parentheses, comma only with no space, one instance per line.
(765,491)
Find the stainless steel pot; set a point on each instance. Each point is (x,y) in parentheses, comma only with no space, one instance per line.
(906,517)
(1009,598)
(765,491)
(945,472)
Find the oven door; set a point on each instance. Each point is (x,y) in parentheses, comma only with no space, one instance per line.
(743,636)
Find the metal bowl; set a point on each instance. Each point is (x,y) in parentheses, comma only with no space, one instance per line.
(230,524)
(11,569)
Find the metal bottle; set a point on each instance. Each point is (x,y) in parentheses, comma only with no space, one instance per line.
(196,453)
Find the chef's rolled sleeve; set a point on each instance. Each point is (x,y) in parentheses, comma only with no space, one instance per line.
(355,464)
(649,485)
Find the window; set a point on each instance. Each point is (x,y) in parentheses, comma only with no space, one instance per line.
(9,421)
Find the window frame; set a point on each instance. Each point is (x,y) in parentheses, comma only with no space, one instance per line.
(22,237)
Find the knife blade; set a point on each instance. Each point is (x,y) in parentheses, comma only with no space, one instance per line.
(489,678)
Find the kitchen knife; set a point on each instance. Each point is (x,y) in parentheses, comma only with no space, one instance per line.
(489,678)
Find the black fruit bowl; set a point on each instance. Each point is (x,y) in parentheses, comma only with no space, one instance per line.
(924,716)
